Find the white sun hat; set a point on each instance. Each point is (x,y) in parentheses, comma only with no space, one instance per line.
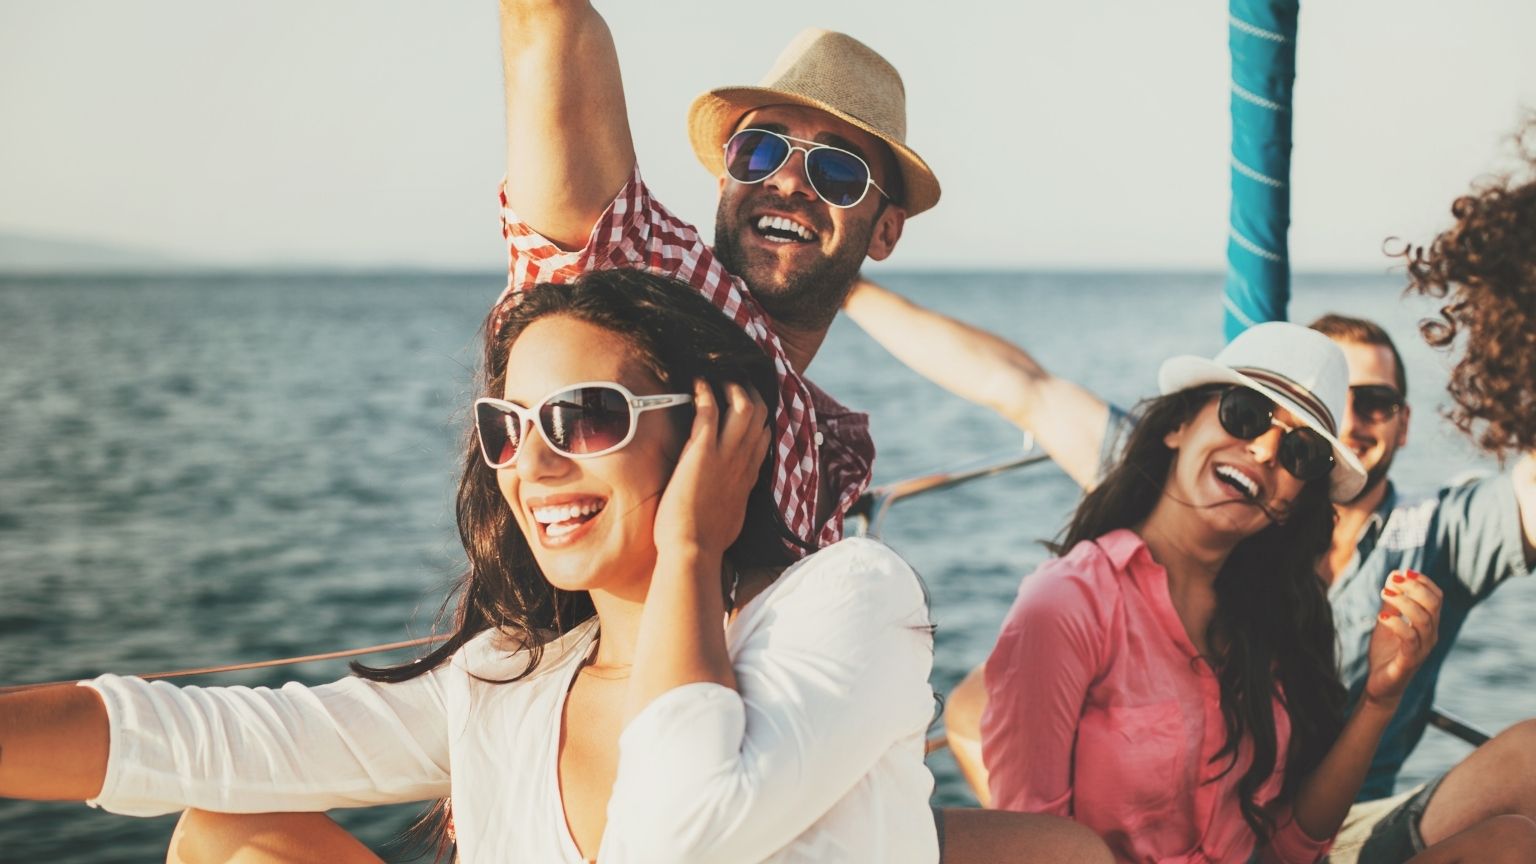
(1299,369)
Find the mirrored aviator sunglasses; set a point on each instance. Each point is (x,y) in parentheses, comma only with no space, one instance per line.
(580,421)
(840,178)
(1247,414)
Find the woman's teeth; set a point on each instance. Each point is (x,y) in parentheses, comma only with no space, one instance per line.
(1242,482)
(562,519)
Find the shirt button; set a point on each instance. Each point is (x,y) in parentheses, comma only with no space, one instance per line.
(819,439)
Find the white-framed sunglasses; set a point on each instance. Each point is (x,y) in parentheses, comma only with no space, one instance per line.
(580,421)
(840,177)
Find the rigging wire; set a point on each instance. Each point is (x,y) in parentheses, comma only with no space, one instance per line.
(260,664)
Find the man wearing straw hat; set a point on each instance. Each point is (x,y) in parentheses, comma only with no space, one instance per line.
(815,176)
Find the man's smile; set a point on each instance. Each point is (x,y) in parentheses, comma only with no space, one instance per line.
(783,229)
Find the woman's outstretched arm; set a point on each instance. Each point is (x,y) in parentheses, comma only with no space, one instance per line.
(53,744)
(1406,630)
(144,748)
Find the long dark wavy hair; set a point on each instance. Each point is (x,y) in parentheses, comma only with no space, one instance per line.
(679,336)
(1273,628)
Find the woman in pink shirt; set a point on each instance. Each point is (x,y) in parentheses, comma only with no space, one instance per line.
(1169,681)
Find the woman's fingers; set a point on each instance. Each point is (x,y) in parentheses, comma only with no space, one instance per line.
(1417,585)
(1417,599)
(1410,609)
(1404,631)
(752,412)
(746,424)
(706,411)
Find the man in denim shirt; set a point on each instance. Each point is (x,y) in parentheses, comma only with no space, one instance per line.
(1469,538)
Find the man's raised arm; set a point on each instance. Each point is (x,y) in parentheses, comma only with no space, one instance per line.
(1067,420)
(569,149)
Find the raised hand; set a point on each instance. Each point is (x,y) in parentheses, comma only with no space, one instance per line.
(705,502)
(1406,630)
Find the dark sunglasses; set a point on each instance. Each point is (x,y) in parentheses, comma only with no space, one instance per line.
(1374,403)
(579,421)
(841,178)
(1247,414)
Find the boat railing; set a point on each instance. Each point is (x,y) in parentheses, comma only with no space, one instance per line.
(868,514)
(868,518)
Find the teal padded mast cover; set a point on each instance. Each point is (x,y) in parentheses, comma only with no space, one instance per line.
(1262,38)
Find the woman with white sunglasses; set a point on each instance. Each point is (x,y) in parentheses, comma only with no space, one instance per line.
(616,511)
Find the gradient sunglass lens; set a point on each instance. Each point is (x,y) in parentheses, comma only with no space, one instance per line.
(754,154)
(586,420)
(839,177)
(1306,454)
(499,432)
(1375,402)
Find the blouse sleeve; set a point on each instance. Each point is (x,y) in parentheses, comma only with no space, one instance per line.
(246,750)
(834,675)
(1291,845)
(1037,681)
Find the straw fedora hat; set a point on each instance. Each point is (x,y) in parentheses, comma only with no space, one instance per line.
(1296,367)
(837,74)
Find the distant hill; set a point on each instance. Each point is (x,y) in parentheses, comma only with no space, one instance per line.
(25,254)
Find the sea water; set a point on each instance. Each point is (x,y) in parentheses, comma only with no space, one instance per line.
(209,469)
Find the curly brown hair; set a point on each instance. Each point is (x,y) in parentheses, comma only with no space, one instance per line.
(1484,267)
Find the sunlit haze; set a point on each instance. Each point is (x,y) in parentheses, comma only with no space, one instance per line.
(1075,135)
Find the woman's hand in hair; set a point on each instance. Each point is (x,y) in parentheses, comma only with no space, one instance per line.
(705,502)
(680,640)
(1406,630)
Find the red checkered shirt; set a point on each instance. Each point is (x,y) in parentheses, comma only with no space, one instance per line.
(813,433)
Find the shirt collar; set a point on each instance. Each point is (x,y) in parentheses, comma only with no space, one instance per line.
(1375,522)
(1121,545)
(1128,554)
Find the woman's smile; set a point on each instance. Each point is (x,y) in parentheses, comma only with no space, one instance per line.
(1245,483)
(563,519)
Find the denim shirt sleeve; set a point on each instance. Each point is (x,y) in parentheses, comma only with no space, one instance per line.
(1116,431)
(1479,535)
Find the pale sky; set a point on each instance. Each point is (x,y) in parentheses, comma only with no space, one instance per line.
(1082,135)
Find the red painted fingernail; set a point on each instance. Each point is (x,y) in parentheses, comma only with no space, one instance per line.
(1413,574)
(1388,592)
(1397,577)
(1386,616)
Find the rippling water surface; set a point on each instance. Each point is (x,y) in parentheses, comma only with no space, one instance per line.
(200,470)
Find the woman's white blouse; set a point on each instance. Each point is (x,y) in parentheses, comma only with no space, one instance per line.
(817,758)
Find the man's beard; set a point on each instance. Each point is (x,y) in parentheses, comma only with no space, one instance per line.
(1376,474)
(805,299)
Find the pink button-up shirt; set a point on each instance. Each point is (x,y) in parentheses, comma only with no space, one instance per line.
(1100,709)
